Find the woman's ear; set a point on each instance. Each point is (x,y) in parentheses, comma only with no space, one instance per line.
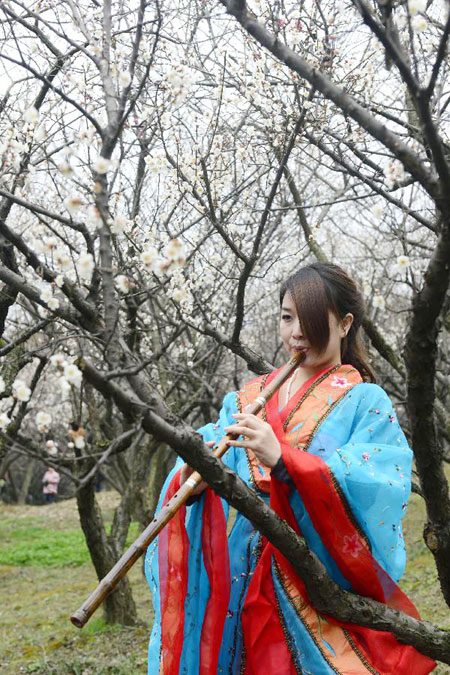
(346,324)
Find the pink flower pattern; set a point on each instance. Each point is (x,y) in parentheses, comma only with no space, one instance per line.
(352,545)
(340,382)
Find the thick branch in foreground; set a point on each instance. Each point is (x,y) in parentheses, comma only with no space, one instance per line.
(326,596)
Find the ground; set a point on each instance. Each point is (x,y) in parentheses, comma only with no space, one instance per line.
(45,574)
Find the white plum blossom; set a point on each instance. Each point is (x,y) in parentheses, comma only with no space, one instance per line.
(122,283)
(46,293)
(4,421)
(43,420)
(58,360)
(73,203)
(2,385)
(62,259)
(21,391)
(65,169)
(39,136)
(94,216)
(102,165)
(65,386)
(31,115)
(179,294)
(85,265)
(161,266)
(175,250)
(180,80)
(402,264)
(176,256)
(119,224)
(179,290)
(416,6)
(124,78)
(59,281)
(419,23)
(149,257)
(394,172)
(52,448)
(79,442)
(73,374)
(49,244)
(156,162)
(53,304)
(379,302)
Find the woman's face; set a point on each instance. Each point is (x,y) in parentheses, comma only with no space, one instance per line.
(293,339)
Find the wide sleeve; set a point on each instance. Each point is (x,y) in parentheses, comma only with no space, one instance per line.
(373,469)
(353,484)
(187,569)
(350,494)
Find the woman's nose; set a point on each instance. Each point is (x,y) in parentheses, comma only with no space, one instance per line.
(296,329)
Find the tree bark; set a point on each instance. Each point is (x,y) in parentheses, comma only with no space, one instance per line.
(119,606)
(22,498)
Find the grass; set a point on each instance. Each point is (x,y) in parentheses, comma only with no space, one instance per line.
(36,546)
(31,543)
(45,574)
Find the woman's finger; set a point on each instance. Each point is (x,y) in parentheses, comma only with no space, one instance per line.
(238,429)
(249,420)
(244,443)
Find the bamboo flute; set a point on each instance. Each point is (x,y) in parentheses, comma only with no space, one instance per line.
(138,548)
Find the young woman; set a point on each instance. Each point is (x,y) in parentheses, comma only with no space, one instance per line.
(328,454)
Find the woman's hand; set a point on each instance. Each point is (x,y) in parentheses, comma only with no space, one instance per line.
(259,437)
(187,470)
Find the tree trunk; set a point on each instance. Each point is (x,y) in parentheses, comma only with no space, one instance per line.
(119,606)
(26,481)
(161,464)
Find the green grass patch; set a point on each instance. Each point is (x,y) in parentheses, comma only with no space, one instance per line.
(40,546)
(28,543)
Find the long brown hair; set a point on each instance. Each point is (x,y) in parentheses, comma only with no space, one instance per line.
(322,287)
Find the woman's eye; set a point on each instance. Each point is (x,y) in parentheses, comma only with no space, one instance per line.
(286,317)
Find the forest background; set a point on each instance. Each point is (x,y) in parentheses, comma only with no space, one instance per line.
(164,166)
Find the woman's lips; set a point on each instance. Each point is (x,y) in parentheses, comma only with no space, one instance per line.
(300,349)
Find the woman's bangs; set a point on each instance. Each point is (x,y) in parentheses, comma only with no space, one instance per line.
(308,292)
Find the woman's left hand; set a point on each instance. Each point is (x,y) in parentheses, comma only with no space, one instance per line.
(258,436)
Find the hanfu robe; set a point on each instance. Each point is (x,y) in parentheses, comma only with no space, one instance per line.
(231,603)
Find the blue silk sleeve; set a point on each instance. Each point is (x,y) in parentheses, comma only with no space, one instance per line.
(367,452)
(198,585)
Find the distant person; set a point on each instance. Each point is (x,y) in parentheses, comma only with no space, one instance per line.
(51,481)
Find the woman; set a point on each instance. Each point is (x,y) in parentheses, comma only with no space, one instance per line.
(328,454)
(50,482)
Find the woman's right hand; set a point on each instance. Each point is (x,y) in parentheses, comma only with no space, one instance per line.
(187,470)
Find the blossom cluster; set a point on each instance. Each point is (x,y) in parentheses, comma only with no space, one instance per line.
(171,259)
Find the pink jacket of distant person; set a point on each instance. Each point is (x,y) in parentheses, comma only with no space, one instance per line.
(50,480)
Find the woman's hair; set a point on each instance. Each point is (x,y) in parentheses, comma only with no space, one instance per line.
(322,287)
